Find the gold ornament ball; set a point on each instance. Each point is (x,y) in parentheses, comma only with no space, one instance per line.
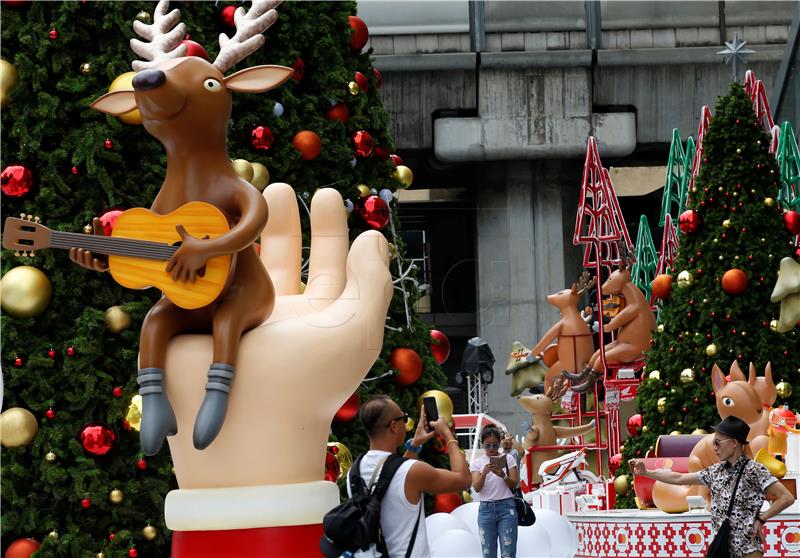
(143,16)
(260,176)
(645,428)
(661,404)
(660,328)
(87,229)
(699,432)
(343,456)
(726,223)
(149,532)
(26,291)
(783,389)
(353,88)
(243,168)
(675,433)
(773,325)
(466,496)
(403,175)
(443,403)
(738,150)
(86,68)
(117,319)
(621,485)
(100,555)
(125,81)
(769,202)
(392,251)
(50,456)
(685,279)
(134,413)
(687,375)
(711,349)
(116,496)
(53,535)
(410,424)
(654,375)
(363,190)
(18,427)
(8,81)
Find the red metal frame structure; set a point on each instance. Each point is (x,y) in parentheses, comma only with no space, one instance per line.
(754,88)
(705,120)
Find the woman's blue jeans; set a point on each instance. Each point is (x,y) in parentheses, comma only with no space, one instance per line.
(497,519)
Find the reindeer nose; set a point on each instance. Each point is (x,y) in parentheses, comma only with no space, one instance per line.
(148,79)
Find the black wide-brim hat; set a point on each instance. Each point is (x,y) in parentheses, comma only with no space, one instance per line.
(734,427)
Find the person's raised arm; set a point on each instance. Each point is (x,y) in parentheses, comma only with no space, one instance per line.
(423,477)
(670,477)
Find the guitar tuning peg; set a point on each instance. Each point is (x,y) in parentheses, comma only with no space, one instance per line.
(21,215)
(17,253)
(37,219)
(32,254)
(30,217)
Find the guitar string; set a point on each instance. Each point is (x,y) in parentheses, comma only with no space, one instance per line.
(114,246)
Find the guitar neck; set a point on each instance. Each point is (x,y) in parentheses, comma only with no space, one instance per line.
(112,246)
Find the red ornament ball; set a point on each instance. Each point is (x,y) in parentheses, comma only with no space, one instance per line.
(447,502)
(51,353)
(117,391)
(16,181)
(734,281)
(360,34)
(308,144)
(108,144)
(53,34)
(380,153)
(70,351)
(363,143)
(112,536)
(332,469)
(86,503)
(194,49)
(361,81)
(18,362)
(22,548)
(374,212)
(791,219)
(50,414)
(396,160)
(226,16)
(408,365)
(635,425)
(261,138)
(339,112)
(133,553)
(74,170)
(662,286)
(97,438)
(689,221)
(141,464)
(109,219)
(440,346)
(614,463)
(349,410)
(299,68)
(378,78)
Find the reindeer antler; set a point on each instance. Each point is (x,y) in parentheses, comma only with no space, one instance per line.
(626,257)
(164,44)
(557,389)
(248,37)
(584,283)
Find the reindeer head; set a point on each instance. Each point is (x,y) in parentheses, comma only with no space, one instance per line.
(622,275)
(736,398)
(542,404)
(569,297)
(184,100)
(764,386)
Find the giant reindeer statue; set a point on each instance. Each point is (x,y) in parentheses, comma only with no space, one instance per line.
(575,345)
(185,103)
(633,325)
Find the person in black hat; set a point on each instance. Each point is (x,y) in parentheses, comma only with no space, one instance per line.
(746,519)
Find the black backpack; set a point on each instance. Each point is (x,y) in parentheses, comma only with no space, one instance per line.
(355,524)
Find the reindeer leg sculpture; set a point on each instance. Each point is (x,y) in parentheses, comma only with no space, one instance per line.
(212,412)
(158,418)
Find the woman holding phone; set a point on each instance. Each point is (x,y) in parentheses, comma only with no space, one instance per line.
(493,477)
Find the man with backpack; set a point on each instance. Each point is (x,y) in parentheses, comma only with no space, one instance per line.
(385,514)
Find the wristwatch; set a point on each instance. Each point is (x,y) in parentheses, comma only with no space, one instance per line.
(412,448)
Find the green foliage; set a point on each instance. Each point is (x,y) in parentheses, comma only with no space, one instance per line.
(737,174)
(49,127)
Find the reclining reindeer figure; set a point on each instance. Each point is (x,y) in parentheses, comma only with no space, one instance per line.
(185,103)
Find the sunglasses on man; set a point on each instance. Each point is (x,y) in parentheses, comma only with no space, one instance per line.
(404,417)
(718,443)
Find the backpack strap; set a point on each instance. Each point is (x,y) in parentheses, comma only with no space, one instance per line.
(735,487)
(358,486)
(411,542)
(390,466)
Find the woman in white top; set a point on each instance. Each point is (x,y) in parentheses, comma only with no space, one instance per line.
(493,476)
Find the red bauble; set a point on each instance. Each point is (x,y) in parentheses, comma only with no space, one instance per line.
(614,463)
(791,219)
(53,34)
(635,425)
(440,346)
(70,351)
(50,414)
(689,221)
(308,144)
(86,503)
(299,68)
(407,363)
(133,553)
(74,170)
(97,438)
(112,536)
(51,353)
(662,286)
(363,142)
(18,362)
(360,34)
(380,153)
(226,15)
(261,138)
(734,281)
(339,112)
(194,49)
(117,391)
(141,464)
(396,159)
(374,211)
(109,219)
(22,548)
(378,78)
(108,144)
(349,410)
(332,469)
(361,81)
(447,502)
(16,181)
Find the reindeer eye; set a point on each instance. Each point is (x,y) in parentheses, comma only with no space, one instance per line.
(212,84)
(727,401)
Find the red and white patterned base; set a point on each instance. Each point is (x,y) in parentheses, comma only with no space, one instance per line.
(655,534)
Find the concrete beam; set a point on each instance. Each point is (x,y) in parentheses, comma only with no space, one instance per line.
(681,55)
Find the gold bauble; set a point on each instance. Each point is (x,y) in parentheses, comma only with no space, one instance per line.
(621,485)
(773,325)
(783,390)
(392,251)
(344,456)
(116,496)
(711,349)
(660,328)
(260,176)
(466,496)
(143,16)
(149,532)
(403,175)
(654,375)
(363,190)
(8,81)
(87,229)
(353,88)
(699,432)
(769,202)
(645,428)
(726,223)
(661,404)
(302,287)
(687,375)
(53,535)
(86,68)
(243,168)
(675,433)
(443,404)
(100,555)
(26,291)
(50,457)
(18,427)
(685,279)
(134,413)
(125,82)
(410,424)
(117,319)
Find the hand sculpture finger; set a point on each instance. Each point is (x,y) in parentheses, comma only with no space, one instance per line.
(329,242)
(282,239)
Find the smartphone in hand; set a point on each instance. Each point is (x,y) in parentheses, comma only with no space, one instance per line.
(497,462)
(431,411)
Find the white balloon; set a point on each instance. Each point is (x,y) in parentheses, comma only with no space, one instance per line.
(456,543)
(468,514)
(534,542)
(439,523)
(562,533)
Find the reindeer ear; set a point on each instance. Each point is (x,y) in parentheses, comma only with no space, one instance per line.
(768,374)
(736,372)
(258,79)
(751,377)
(116,103)
(717,379)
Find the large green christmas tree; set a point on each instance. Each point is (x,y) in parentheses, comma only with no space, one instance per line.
(70,363)
(739,226)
